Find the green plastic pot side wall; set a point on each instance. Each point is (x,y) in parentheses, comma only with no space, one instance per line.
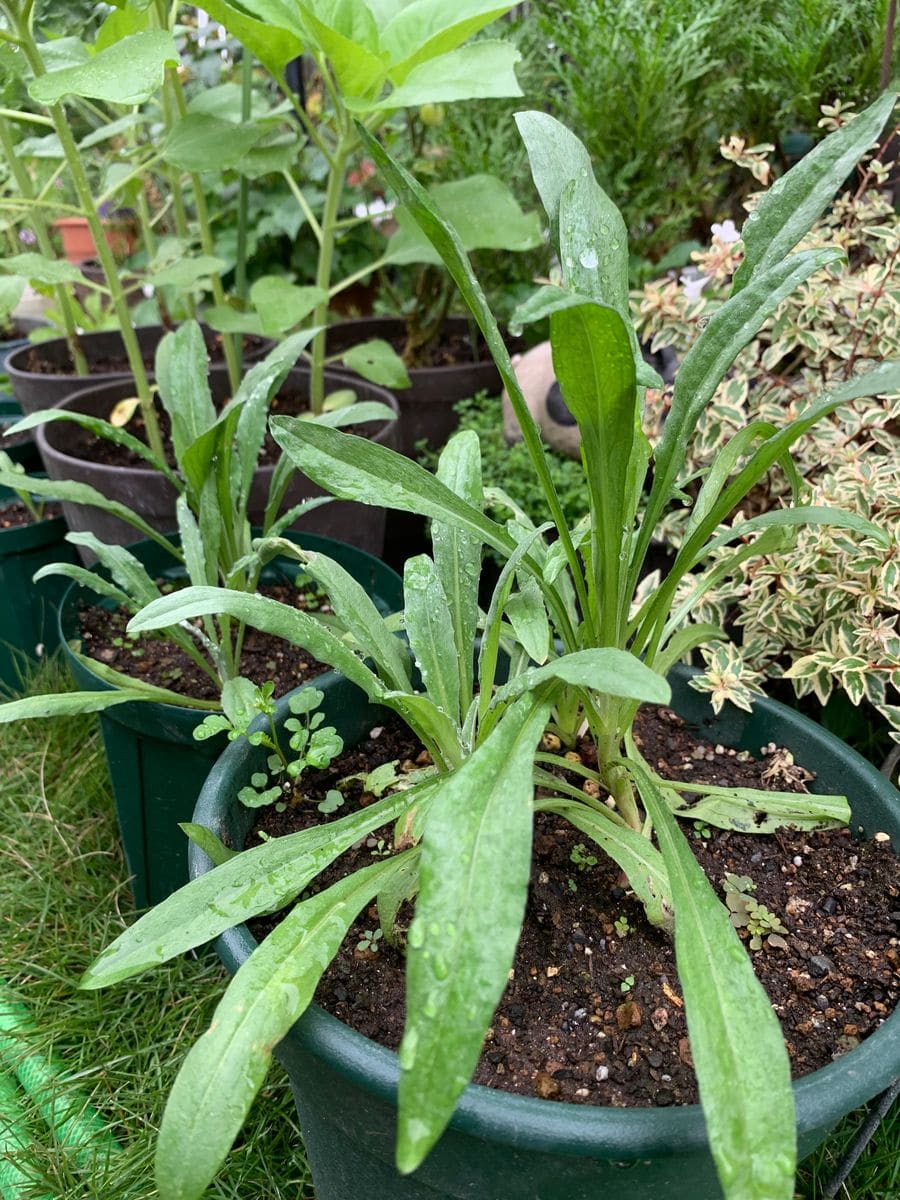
(27,609)
(156,767)
(504,1147)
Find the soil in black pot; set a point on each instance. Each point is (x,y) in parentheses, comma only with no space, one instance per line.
(153,658)
(593,1012)
(118,364)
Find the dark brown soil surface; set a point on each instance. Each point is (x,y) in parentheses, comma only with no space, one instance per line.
(14,516)
(288,402)
(593,1012)
(154,659)
(119,364)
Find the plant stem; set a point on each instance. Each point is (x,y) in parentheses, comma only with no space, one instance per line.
(342,152)
(240,271)
(229,342)
(45,244)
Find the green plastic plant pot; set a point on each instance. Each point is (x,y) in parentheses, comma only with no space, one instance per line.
(28,622)
(156,767)
(24,448)
(504,1147)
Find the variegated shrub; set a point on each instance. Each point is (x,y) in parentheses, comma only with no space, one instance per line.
(822,608)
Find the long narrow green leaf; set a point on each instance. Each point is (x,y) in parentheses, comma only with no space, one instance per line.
(789,208)
(737,1045)
(749,810)
(352,468)
(200,570)
(473,882)
(100,428)
(224,1070)
(354,607)
(259,880)
(430,631)
(526,613)
(457,555)
(182,364)
(606,670)
(435,729)
(254,396)
(83,493)
(142,689)
(68,704)
(415,199)
(86,579)
(270,616)
(127,571)
(594,364)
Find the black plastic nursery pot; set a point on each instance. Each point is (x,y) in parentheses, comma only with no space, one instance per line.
(150,494)
(426,407)
(156,767)
(28,621)
(504,1147)
(37,389)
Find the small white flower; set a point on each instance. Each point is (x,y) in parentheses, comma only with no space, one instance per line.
(693,285)
(726,232)
(376,210)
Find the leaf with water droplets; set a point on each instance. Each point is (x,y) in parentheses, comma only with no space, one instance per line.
(476,856)
(226,1067)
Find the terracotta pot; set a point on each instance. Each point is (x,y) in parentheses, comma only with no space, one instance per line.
(77,239)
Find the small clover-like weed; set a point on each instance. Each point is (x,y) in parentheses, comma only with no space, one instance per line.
(745,912)
(369,941)
(582,860)
(621,926)
(627,984)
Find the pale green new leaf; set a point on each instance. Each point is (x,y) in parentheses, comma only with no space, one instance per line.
(429,627)
(69,704)
(207,841)
(270,616)
(606,670)
(473,882)
(35,268)
(201,142)
(457,554)
(280,304)
(355,414)
(348,36)
(273,44)
(377,361)
(259,880)
(225,1069)
(187,272)
(737,1045)
(478,71)
(128,72)
(417,33)
(788,209)
(200,567)
(527,614)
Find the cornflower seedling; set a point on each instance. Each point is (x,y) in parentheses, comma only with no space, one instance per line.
(581,650)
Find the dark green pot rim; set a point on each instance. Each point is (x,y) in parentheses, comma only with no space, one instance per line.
(31,536)
(531,1124)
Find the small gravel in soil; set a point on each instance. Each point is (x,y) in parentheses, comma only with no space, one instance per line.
(593,1012)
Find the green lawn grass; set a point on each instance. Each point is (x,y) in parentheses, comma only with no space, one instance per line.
(64,895)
